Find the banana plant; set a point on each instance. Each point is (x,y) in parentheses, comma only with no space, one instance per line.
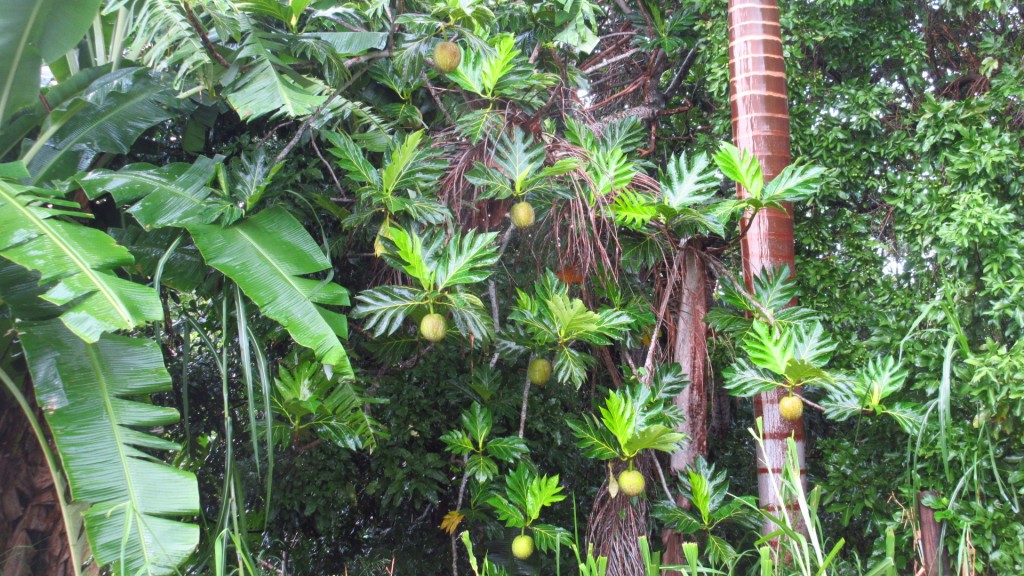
(634,418)
(549,320)
(75,261)
(443,268)
(712,507)
(95,398)
(525,496)
(108,116)
(178,194)
(270,244)
(94,387)
(33,33)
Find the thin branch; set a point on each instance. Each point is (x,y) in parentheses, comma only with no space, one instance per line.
(605,356)
(611,61)
(388,45)
(742,288)
(198,27)
(309,446)
(268,566)
(745,225)
(682,73)
(535,53)
(522,412)
(334,177)
(302,130)
(673,111)
(493,291)
(404,365)
(348,63)
(437,99)
(661,476)
(632,86)
(366,58)
(813,405)
(309,121)
(327,16)
(458,506)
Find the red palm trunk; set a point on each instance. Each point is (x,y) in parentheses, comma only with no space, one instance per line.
(760,124)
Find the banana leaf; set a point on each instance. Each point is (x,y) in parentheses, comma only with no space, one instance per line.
(171,195)
(135,502)
(265,255)
(76,261)
(33,32)
(109,116)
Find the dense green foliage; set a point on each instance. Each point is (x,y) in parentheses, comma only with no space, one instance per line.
(223,223)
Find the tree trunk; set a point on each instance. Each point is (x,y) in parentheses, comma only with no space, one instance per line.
(690,351)
(616,524)
(760,124)
(933,552)
(32,539)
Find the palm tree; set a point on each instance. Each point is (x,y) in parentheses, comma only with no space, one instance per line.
(760,121)
(689,350)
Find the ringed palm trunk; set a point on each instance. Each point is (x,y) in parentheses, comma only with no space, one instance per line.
(760,125)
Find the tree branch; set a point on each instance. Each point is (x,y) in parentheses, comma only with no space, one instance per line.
(721,269)
(437,99)
(198,27)
(522,412)
(682,73)
(334,177)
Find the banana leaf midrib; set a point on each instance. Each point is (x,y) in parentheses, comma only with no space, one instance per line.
(170,188)
(16,60)
(106,395)
(263,255)
(68,145)
(83,267)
